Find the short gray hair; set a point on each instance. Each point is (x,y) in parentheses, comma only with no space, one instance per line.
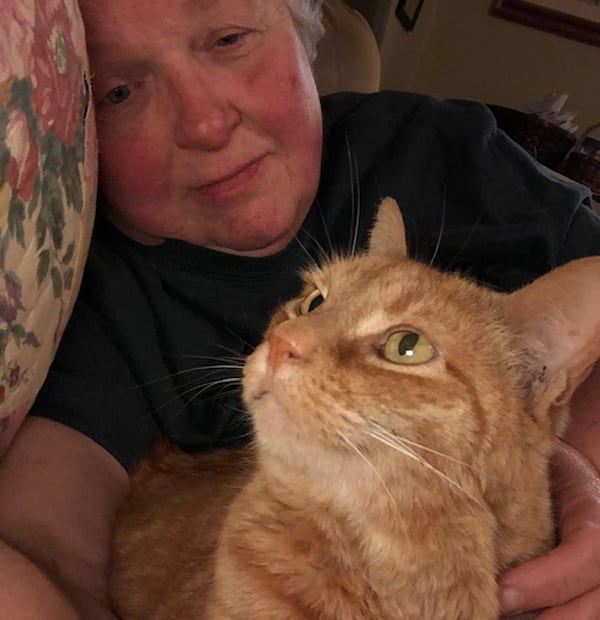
(307,17)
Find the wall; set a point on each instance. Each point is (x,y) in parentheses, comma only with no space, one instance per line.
(458,50)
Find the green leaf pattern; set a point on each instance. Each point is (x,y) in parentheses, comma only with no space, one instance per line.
(47,187)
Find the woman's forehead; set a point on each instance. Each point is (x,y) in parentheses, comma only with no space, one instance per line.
(117,18)
(148,7)
(138,29)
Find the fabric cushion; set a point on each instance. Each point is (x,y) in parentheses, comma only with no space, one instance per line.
(48,175)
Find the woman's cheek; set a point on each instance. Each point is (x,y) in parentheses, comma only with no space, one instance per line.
(293,104)
(131,167)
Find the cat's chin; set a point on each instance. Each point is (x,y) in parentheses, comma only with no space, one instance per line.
(272,421)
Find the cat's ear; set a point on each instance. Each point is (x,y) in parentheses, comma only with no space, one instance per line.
(559,315)
(388,237)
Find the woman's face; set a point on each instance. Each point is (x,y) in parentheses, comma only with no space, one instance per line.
(209,122)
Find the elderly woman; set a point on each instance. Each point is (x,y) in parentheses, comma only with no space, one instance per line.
(215,155)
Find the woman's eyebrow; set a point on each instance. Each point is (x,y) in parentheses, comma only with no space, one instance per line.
(118,66)
(106,55)
(105,52)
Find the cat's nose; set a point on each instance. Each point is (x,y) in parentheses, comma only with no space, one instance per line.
(281,349)
(287,345)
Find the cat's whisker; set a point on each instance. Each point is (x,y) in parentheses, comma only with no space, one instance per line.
(442,226)
(233,352)
(243,412)
(200,390)
(373,424)
(243,436)
(236,358)
(354,198)
(329,254)
(396,443)
(468,238)
(179,373)
(197,395)
(207,380)
(322,256)
(372,467)
(216,367)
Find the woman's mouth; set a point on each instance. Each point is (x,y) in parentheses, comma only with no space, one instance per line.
(239,181)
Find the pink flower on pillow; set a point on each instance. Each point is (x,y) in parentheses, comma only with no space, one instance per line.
(16,26)
(24,158)
(57,75)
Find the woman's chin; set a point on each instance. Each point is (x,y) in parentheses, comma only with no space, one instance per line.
(258,244)
(260,236)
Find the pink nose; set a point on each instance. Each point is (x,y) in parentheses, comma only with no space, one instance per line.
(287,344)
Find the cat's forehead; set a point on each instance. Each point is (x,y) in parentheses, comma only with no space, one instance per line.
(345,272)
(385,280)
(374,291)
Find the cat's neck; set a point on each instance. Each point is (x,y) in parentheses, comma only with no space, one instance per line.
(347,506)
(389,490)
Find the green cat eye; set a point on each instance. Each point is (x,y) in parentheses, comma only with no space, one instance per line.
(408,347)
(312,302)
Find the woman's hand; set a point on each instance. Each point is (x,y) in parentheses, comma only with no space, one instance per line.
(566,581)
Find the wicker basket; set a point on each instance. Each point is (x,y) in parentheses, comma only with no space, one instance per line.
(583,167)
(548,143)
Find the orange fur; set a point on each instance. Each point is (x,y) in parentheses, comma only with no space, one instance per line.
(324,517)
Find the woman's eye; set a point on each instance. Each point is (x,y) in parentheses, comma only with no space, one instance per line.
(229,39)
(119,94)
(408,347)
(311,302)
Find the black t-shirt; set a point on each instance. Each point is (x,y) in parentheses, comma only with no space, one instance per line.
(144,351)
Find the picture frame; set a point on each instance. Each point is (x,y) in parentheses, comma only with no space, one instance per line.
(591,147)
(407,11)
(573,19)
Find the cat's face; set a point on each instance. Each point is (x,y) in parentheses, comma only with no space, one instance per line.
(379,349)
(378,346)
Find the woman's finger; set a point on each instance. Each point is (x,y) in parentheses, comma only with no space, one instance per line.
(586,607)
(568,571)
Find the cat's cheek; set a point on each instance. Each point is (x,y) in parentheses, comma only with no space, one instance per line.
(255,376)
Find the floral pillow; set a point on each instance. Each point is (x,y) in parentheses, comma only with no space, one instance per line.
(47,190)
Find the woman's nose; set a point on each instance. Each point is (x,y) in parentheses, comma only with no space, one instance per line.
(205,117)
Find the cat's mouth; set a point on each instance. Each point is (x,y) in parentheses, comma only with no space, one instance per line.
(259,394)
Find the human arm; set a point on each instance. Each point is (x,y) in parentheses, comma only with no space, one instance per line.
(59,492)
(584,431)
(567,580)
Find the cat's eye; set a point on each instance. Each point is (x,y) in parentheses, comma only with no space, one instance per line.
(311,302)
(408,347)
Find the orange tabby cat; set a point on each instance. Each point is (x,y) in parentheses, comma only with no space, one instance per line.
(404,420)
